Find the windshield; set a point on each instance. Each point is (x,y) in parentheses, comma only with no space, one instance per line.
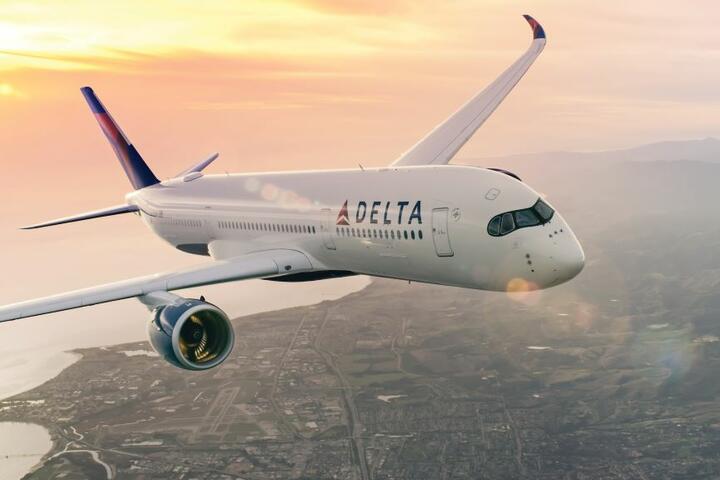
(543,210)
(502,224)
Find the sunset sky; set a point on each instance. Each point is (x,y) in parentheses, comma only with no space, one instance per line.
(328,83)
(299,84)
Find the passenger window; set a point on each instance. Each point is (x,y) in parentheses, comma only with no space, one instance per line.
(508,224)
(494,226)
(526,218)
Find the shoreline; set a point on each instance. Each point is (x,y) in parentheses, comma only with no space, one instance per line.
(73,356)
(20,444)
(68,357)
(54,363)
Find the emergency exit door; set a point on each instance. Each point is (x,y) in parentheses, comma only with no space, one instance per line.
(326,229)
(441,238)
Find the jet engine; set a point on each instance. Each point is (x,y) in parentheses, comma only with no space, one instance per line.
(190,334)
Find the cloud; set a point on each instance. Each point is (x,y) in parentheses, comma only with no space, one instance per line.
(361,7)
(109,59)
(78,34)
(288,101)
(7,90)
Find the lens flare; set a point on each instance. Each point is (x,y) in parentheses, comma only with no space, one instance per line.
(522,290)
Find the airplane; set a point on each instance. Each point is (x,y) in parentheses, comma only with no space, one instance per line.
(419,219)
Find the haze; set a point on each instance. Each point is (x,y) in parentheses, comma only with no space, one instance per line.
(308,84)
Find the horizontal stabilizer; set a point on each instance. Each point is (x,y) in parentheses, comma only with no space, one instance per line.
(105,212)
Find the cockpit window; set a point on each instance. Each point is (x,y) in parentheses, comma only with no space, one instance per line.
(494,226)
(508,224)
(504,223)
(543,210)
(526,218)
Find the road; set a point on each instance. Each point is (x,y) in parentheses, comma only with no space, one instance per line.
(355,427)
(276,382)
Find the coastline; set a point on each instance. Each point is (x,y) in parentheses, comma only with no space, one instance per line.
(28,371)
(51,365)
(25,370)
(23,446)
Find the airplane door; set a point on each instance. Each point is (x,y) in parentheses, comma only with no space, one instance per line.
(326,229)
(441,239)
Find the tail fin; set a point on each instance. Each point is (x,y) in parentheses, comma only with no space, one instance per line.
(135,167)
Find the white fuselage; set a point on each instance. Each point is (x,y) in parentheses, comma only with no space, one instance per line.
(423,223)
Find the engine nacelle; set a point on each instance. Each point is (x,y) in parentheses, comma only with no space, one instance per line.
(191,334)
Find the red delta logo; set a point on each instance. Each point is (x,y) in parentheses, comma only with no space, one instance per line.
(383,213)
(342,218)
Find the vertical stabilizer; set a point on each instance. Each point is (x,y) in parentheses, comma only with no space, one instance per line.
(135,167)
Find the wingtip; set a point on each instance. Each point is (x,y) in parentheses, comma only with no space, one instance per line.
(538,31)
(31,227)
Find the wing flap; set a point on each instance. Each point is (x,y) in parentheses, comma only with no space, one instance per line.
(255,265)
(442,143)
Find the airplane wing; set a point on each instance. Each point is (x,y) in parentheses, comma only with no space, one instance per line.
(441,145)
(255,265)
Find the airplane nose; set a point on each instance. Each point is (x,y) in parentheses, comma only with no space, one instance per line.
(571,262)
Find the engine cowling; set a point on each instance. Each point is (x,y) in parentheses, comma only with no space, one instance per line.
(191,334)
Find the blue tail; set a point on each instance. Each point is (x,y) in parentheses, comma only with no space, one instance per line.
(135,167)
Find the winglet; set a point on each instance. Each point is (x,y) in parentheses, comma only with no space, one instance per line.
(135,167)
(199,167)
(538,31)
(440,145)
